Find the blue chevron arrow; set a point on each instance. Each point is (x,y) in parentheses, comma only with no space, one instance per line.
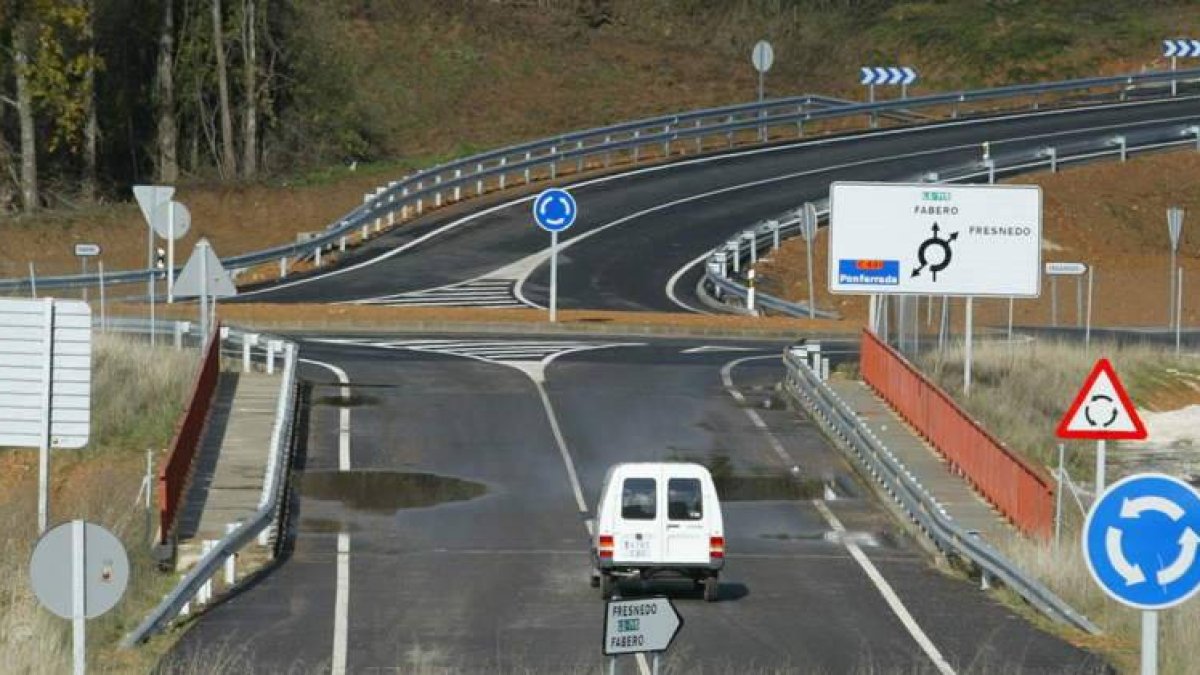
(1170,48)
(881,75)
(1181,48)
(894,75)
(910,75)
(868,77)
(1194,48)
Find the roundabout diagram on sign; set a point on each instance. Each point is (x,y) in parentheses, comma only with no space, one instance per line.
(941,260)
(1141,541)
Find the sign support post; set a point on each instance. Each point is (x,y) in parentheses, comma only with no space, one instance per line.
(554,210)
(171,252)
(1178,310)
(44,441)
(78,597)
(1150,639)
(967,352)
(554,276)
(1058,495)
(763,57)
(203,296)
(1101,463)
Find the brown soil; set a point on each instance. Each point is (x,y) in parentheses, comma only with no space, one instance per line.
(1109,215)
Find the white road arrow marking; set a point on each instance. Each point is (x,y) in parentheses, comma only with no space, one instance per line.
(1187,555)
(1132,574)
(1133,508)
(715,348)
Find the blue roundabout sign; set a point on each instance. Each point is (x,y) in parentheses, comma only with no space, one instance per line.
(1140,541)
(554,210)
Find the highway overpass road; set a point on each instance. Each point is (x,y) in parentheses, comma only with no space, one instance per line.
(637,229)
(493,577)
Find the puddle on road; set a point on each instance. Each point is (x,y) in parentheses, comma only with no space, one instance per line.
(351,401)
(386,492)
(736,484)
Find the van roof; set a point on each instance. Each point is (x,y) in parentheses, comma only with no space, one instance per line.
(657,466)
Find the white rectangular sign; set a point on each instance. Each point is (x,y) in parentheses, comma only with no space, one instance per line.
(87,250)
(1067,269)
(642,625)
(40,337)
(934,239)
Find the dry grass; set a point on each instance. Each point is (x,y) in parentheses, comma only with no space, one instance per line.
(137,396)
(1019,392)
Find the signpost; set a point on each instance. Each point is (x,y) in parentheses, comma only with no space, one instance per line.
(1140,540)
(808,221)
(639,626)
(45,380)
(1066,269)
(1102,411)
(944,240)
(79,571)
(1177,48)
(83,252)
(763,57)
(203,276)
(1174,230)
(554,210)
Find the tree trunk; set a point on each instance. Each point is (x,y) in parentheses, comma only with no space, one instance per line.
(250,61)
(22,47)
(168,132)
(8,172)
(92,129)
(228,157)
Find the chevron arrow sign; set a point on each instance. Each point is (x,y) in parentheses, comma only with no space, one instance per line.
(872,75)
(1182,48)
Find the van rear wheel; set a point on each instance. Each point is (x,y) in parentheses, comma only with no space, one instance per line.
(608,586)
(712,588)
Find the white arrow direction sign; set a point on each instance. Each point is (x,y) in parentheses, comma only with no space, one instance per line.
(1132,574)
(643,625)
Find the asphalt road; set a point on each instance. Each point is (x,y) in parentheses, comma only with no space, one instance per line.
(636,230)
(498,582)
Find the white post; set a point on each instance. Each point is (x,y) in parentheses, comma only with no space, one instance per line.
(1054,301)
(1174,84)
(103,314)
(271,357)
(967,352)
(774,235)
(83,263)
(203,295)
(1178,310)
(33,277)
(171,252)
(1087,329)
(1150,639)
(205,594)
(809,229)
(872,311)
(78,596)
(44,442)
(655,663)
(1058,495)
(231,561)
(750,291)
(1101,445)
(553,276)
(1010,319)
(245,353)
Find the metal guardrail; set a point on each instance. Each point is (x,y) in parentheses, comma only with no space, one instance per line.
(874,459)
(726,264)
(259,525)
(454,180)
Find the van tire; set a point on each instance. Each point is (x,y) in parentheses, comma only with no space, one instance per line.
(712,588)
(608,586)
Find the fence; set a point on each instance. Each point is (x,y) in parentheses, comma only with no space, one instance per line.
(1015,487)
(173,476)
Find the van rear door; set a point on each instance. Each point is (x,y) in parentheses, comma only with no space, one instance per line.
(638,532)
(686,525)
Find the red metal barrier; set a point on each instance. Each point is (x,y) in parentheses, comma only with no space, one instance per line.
(173,473)
(1018,489)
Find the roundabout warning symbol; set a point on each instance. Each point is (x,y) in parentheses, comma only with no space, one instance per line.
(1141,540)
(943,261)
(1102,410)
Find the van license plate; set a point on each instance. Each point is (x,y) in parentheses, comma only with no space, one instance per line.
(635,548)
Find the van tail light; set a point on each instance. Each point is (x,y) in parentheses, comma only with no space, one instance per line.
(716,547)
(606,546)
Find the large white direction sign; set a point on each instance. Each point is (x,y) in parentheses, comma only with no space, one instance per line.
(45,373)
(644,625)
(962,240)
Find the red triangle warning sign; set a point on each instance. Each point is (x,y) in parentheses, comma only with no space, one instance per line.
(1102,409)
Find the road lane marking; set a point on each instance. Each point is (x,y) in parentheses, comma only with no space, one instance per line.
(675,279)
(341,609)
(755,418)
(855,551)
(343,413)
(801,144)
(341,603)
(889,595)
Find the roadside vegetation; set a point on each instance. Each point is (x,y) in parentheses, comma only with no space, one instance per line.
(1019,392)
(137,395)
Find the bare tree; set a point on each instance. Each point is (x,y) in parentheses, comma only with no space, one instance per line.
(250,85)
(22,48)
(228,166)
(168,132)
(91,129)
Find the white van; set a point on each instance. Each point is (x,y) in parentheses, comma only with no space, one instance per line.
(659,519)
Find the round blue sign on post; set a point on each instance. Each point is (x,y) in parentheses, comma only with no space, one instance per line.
(1140,541)
(554,210)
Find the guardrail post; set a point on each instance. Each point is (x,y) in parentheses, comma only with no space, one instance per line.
(991,167)
(206,589)
(775,235)
(961,98)
(317,256)
(181,327)
(553,163)
(404,204)
(503,163)
(579,162)
(247,341)
(342,245)
(636,149)
(752,240)
(667,142)
(607,153)
(735,247)
(478,181)
(457,187)
(420,200)
(272,347)
(528,156)
(187,606)
(231,561)
(1120,140)
(437,196)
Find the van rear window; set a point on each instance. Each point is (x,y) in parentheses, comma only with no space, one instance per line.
(684,501)
(638,497)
